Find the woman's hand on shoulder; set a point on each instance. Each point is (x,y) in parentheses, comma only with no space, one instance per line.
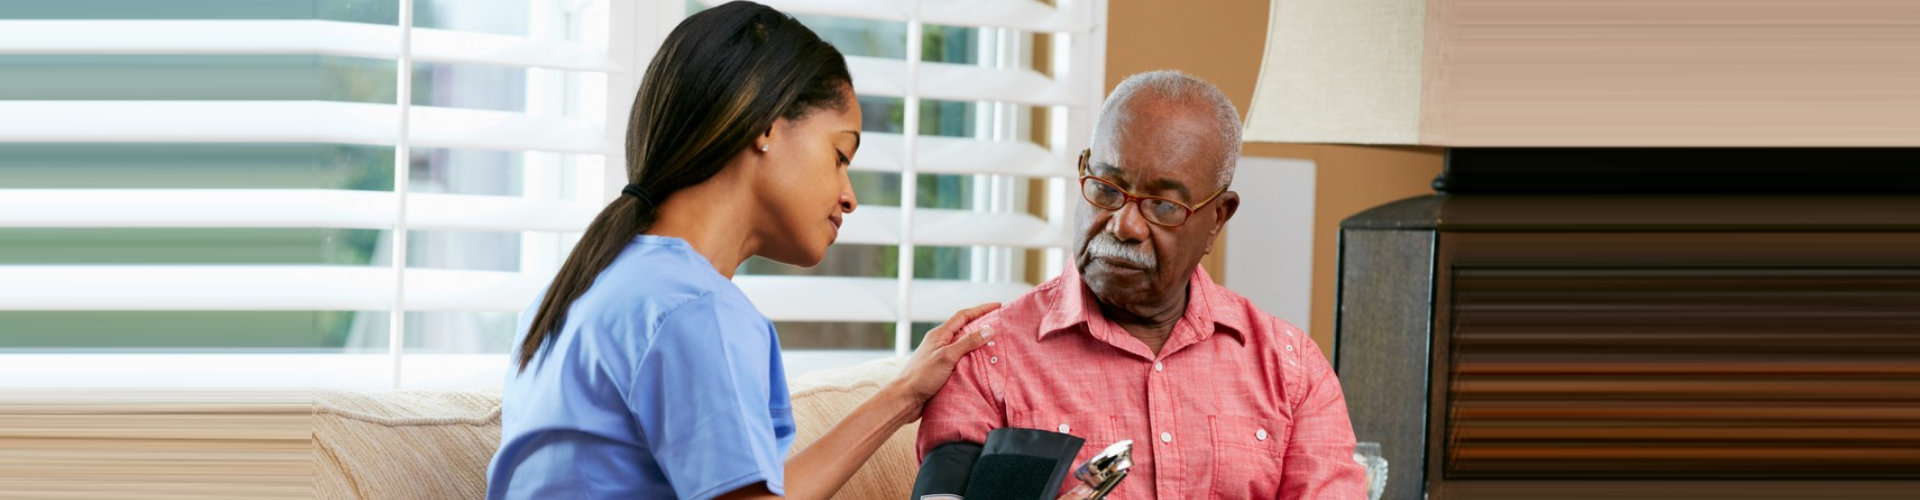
(943,347)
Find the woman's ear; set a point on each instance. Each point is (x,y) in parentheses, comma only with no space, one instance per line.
(767,138)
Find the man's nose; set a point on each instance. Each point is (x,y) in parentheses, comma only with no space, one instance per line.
(1128,224)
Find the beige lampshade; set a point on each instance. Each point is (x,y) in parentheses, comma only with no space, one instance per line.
(1591,73)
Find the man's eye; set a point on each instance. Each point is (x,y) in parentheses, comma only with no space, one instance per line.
(1163,207)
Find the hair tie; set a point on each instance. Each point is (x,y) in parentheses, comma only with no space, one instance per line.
(637,192)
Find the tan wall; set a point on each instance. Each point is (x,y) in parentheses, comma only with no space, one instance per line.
(1221,41)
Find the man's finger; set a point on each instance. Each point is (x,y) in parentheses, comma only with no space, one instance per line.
(1080,492)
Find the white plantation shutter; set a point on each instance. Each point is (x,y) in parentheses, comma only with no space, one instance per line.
(1069,93)
(583,58)
(568,138)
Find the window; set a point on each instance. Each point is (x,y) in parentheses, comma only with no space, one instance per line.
(202,189)
(968,146)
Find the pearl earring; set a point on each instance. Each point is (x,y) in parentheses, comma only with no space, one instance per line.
(763,147)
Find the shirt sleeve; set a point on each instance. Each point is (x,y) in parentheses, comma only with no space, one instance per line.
(965,409)
(1319,461)
(701,396)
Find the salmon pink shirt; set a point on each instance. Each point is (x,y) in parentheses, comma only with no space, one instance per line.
(1237,404)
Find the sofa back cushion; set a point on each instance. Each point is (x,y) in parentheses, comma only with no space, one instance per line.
(404,444)
(437,444)
(823,398)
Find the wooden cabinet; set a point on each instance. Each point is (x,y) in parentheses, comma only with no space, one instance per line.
(1636,346)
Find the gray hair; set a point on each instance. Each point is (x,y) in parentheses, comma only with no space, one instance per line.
(1178,87)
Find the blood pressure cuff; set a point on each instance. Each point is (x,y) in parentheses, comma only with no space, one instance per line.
(945,471)
(1014,464)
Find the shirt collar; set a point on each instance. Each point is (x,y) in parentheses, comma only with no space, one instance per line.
(1208,304)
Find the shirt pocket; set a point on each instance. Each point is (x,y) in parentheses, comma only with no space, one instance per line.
(1247,453)
(1098,429)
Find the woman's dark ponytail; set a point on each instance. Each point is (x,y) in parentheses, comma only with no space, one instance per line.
(720,80)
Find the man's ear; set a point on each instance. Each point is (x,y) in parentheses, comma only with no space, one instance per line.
(1226,206)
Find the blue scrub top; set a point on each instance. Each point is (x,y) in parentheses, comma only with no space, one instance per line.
(664,382)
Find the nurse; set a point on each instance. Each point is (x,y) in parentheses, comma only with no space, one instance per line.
(643,372)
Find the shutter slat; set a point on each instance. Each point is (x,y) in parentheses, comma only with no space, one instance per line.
(333,38)
(951,227)
(264,208)
(810,298)
(257,288)
(883,152)
(293,121)
(876,76)
(357,288)
(1024,15)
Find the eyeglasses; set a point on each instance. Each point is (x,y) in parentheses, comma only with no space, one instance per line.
(1108,196)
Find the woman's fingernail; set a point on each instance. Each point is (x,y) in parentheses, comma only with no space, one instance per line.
(986,332)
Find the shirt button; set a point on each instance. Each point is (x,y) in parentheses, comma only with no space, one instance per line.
(1159,367)
(1166,437)
(1289,347)
(1064,429)
(1260,434)
(989,343)
(993,359)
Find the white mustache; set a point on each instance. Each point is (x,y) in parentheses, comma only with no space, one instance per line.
(1104,245)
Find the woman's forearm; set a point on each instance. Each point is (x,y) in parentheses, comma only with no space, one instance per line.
(820,469)
(824,466)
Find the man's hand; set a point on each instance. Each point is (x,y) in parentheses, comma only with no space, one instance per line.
(943,347)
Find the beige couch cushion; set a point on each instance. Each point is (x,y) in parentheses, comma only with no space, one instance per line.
(436,444)
(823,398)
(405,444)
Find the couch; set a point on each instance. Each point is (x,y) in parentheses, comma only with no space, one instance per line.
(436,444)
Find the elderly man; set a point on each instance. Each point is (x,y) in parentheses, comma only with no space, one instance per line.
(1136,342)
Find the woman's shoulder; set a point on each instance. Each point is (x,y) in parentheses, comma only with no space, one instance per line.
(654,277)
